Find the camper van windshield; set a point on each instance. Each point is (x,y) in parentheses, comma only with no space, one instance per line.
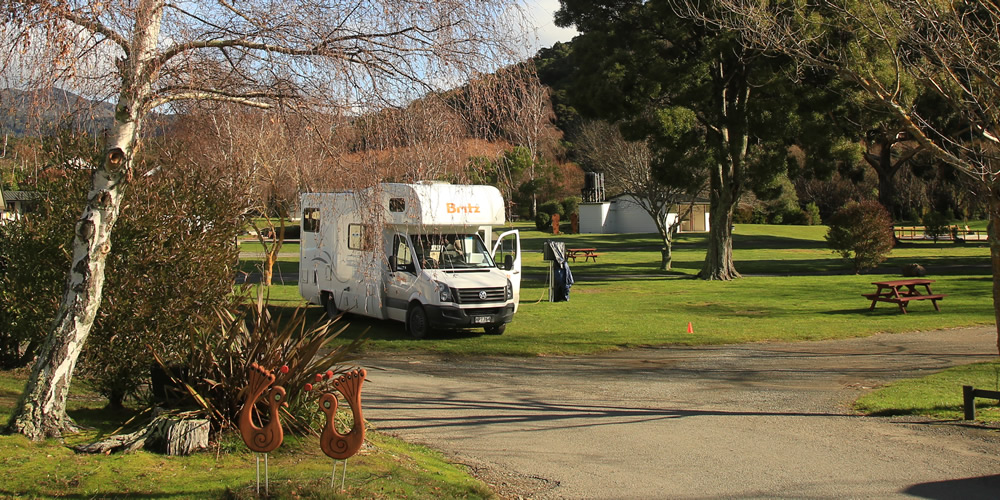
(451,251)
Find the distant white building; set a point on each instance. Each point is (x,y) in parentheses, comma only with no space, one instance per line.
(14,204)
(622,214)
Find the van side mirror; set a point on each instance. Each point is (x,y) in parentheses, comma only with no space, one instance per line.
(508,262)
(392,263)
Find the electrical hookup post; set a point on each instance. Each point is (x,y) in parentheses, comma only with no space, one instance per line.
(560,277)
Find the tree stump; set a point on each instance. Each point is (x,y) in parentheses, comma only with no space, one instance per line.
(180,436)
(166,433)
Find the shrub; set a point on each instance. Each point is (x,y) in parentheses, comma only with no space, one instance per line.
(34,271)
(36,252)
(570,205)
(212,361)
(862,234)
(936,225)
(552,207)
(744,214)
(174,259)
(543,221)
(809,216)
(812,214)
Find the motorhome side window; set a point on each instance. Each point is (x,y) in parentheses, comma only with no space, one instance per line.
(360,237)
(310,220)
(397,204)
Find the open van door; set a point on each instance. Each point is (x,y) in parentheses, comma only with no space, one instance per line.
(507,255)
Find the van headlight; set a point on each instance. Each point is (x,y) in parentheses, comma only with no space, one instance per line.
(509,292)
(444,292)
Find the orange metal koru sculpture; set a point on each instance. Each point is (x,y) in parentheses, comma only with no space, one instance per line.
(267,438)
(336,445)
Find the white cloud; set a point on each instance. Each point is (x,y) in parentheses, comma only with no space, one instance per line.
(541,14)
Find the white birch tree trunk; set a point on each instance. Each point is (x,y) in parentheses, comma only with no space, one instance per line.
(41,411)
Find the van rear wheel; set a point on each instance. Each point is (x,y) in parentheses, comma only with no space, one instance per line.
(330,306)
(416,322)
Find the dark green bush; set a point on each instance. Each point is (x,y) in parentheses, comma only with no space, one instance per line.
(173,258)
(936,225)
(812,214)
(743,214)
(543,221)
(36,249)
(862,234)
(552,207)
(570,205)
(35,268)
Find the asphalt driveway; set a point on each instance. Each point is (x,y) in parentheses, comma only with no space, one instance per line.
(746,421)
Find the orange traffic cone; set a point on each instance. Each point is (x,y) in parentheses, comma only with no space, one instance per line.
(690,330)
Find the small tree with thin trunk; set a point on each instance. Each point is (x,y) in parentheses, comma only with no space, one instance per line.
(630,168)
(862,234)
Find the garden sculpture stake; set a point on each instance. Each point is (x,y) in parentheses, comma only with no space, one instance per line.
(267,438)
(336,445)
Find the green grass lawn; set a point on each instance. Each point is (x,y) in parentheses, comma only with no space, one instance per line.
(610,314)
(794,289)
(937,396)
(386,469)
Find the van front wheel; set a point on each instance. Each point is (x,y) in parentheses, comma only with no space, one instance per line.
(416,322)
(330,306)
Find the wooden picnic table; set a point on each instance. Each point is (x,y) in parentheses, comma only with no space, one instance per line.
(901,292)
(588,253)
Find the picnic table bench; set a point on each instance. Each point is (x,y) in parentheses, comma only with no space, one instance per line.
(901,292)
(588,253)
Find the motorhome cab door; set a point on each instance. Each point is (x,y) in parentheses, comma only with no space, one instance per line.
(507,255)
(401,280)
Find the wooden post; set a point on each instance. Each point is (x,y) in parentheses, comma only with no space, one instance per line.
(969,402)
(555,223)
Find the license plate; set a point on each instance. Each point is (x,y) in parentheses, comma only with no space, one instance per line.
(482,319)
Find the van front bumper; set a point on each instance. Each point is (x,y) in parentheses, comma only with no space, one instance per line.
(455,317)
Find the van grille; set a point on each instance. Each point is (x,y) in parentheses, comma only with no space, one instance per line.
(473,295)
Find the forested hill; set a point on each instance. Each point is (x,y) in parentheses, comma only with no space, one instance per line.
(28,112)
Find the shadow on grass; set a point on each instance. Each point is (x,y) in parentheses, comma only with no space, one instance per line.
(749,242)
(916,412)
(885,309)
(104,421)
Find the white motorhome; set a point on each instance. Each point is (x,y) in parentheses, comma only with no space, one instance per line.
(416,253)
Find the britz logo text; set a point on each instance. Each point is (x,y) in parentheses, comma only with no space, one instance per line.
(462,209)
